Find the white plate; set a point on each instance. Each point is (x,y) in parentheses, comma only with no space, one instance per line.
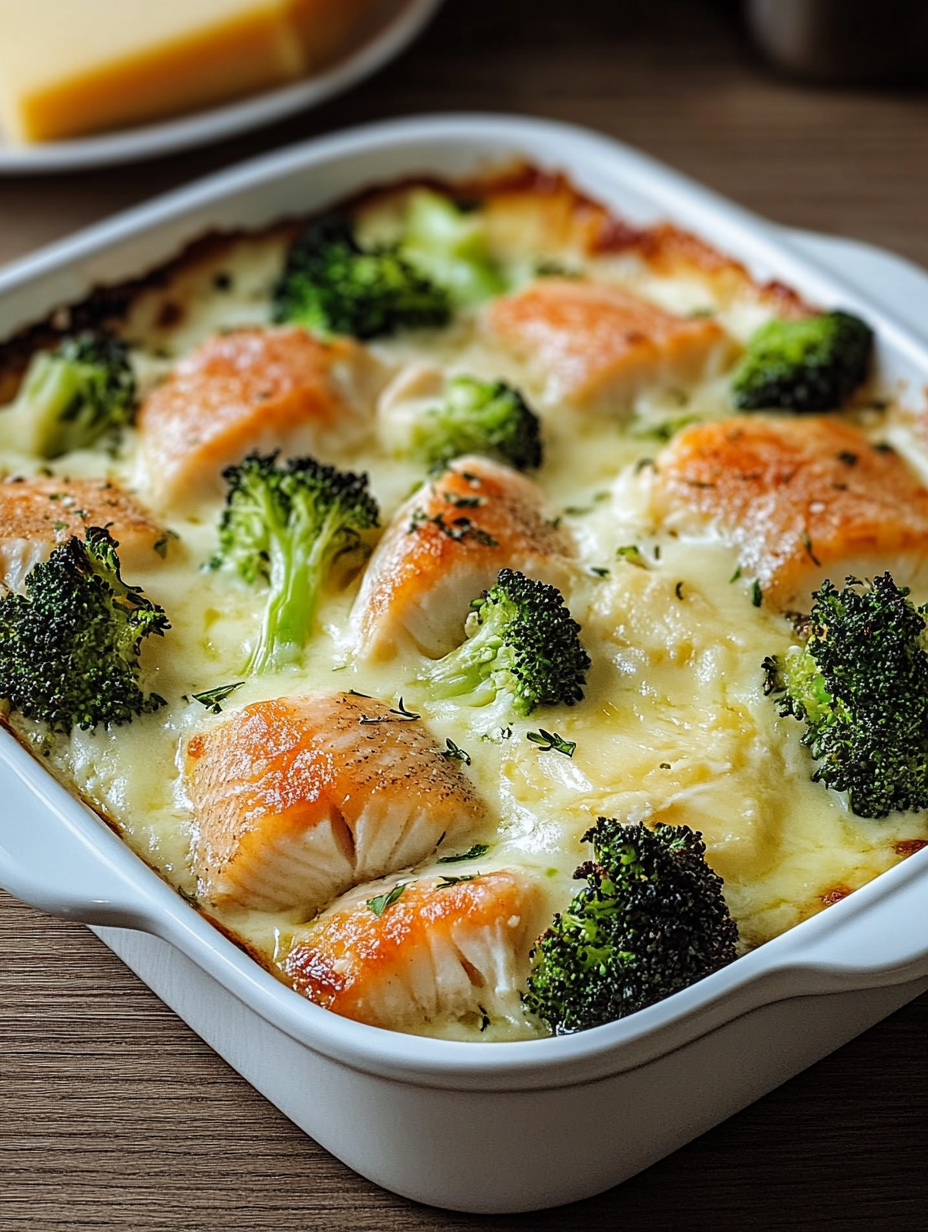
(396,25)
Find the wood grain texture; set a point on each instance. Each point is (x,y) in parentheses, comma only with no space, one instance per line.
(114,1117)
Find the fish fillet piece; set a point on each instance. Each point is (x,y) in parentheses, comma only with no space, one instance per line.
(438,953)
(597,346)
(253,389)
(444,547)
(299,798)
(803,499)
(38,513)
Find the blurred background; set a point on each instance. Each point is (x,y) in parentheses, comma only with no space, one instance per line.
(114,1116)
(682,79)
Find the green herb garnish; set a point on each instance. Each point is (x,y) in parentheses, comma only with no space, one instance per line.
(632,555)
(454,752)
(551,742)
(379,904)
(161,545)
(212,699)
(473,853)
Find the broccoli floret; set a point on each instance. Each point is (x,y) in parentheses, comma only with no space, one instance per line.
(286,525)
(485,417)
(810,364)
(651,920)
(860,684)
(70,645)
(73,396)
(449,245)
(331,285)
(522,650)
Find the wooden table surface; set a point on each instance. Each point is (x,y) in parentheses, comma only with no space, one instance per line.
(113,1114)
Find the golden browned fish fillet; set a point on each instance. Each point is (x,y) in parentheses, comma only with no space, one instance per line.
(444,547)
(803,498)
(439,952)
(36,514)
(253,389)
(297,799)
(596,345)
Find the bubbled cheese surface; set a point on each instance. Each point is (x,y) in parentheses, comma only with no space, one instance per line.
(674,726)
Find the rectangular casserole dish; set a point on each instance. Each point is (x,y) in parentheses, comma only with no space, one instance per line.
(478,1127)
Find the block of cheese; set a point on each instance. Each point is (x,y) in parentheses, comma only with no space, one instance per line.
(69,67)
(325,26)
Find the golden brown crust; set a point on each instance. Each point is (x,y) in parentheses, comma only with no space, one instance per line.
(535,204)
(108,305)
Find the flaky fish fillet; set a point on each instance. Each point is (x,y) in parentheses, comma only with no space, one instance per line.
(253,389)
(803,498)
(299,798)
(444,547)
(597,346)
(38,513)
(440,952)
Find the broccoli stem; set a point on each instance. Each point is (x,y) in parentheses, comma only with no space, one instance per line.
(461,671)
(287,614)
(299,555)
(36,418)
(52,389)
(72,396)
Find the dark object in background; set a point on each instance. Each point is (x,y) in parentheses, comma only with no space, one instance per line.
(844,42)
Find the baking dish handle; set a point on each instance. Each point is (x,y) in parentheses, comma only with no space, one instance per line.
(853,946)
(58,856)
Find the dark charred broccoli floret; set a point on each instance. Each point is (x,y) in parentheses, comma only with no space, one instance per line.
(522,650)
(333,286)
(860,684)
(73,396)
(69,646)
(809,364)
(651,920)
(286,525)
(485,417)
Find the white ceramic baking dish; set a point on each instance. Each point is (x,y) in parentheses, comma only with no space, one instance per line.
(479,1127)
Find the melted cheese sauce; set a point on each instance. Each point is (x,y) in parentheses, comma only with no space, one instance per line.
(674,727)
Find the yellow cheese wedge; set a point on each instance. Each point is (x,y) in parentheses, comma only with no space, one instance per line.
(324,26)
(69,67)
